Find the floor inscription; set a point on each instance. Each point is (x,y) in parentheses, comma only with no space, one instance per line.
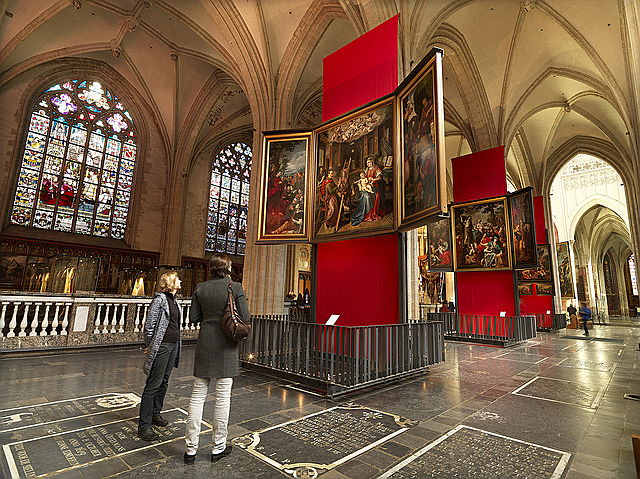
(45,413)
(69,450)
(319,442)
(467,452)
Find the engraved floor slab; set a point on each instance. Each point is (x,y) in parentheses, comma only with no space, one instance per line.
(71,450)
(319,442)
(585,364)
(561,390)
(50,412)
(466,452)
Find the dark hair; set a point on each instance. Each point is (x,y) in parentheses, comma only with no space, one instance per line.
(220,265)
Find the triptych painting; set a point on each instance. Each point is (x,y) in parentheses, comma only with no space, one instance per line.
(374,170)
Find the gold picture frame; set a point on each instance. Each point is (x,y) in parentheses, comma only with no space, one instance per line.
(482,238)
(354,176)
(421,164)
(284,187)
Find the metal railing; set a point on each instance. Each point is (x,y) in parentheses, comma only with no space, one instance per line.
(504,331)
(550,322)
(339,359)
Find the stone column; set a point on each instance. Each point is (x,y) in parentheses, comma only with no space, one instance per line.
(413,275)
(264,265)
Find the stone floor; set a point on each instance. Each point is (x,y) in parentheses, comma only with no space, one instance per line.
(552,407)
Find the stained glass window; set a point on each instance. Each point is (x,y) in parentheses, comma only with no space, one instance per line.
(77,162)
(633,273)
(229,200)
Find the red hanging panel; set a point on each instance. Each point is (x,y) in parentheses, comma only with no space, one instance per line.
(358,279)
(477,176)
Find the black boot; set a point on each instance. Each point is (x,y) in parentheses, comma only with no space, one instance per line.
(226,452)
(148,435)
(189,459)
(158,420)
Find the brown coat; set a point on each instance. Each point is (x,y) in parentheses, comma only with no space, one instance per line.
(216,356)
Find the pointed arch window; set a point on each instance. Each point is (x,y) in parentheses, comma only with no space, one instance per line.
(77,163)
(633,274)
(229,200)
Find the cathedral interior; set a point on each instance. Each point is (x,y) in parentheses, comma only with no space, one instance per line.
(132,144)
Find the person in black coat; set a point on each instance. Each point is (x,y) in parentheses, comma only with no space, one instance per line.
(216,360)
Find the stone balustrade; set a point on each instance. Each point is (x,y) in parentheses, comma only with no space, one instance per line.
(34,321)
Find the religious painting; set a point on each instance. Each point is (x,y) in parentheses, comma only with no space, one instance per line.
(283,209)
(421,169)
(543,271)
(523,229)
(525,289)
(565,270)
(481,235)
(430,288)
(12,271)
(544,289)
(355,178)
(439,245)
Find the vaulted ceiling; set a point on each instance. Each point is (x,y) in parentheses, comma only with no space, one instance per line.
(547,78)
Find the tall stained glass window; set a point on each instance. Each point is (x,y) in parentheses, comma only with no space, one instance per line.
(229,200)
(77,163)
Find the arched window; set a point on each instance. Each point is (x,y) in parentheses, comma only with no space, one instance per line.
(229,200)
(77,162)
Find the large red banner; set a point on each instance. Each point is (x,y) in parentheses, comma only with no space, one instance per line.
(477,176)
(359,279)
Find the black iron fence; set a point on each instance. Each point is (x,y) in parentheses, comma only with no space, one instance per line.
(339,359)
(485,329)
(551,322)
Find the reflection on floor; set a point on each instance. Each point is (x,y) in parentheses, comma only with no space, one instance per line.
(549,409)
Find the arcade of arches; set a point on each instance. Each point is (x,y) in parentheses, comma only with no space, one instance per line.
(131,131)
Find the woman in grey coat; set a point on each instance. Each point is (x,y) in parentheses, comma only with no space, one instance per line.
(216,358)
(162,349)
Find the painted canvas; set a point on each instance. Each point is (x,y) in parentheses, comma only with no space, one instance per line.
(565,270)
(421,121)
(543,271)
(482,240)
(544,289)
(283,210)
(525,289)
(355,177)
(439,245)
(12,271)
(523,229)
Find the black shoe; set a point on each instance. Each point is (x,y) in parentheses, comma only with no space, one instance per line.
(148,435)
(189,459)
(158,420)
(217,457)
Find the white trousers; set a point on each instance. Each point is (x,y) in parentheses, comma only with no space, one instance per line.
(222,403)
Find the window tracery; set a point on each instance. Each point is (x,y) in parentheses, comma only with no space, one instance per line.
(77,163)
(229,200)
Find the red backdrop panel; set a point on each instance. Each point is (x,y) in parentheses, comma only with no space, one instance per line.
(361,71)
(358,279)
(534,304)
(477,176)
(538,214)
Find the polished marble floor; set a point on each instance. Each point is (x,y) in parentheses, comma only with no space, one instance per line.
(553,407)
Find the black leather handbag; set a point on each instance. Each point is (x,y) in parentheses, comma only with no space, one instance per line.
(232,323)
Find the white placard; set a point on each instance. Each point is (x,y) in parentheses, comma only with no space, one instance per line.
(503,314)
(332,319)
(548,312)
(80,322)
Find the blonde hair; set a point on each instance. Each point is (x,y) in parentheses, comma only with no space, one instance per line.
(168,281)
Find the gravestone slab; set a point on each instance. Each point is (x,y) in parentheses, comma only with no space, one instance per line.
(314,444)
(586,364)
(467,452)
(71,450)
(561,390)
(50,412)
